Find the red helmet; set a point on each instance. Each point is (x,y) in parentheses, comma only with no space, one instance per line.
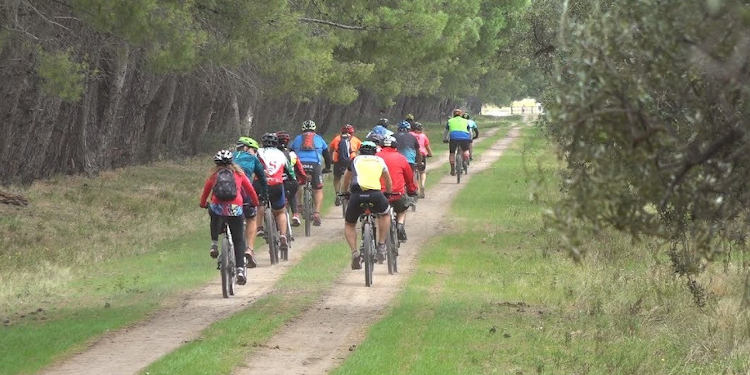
(348,128)
(283,137)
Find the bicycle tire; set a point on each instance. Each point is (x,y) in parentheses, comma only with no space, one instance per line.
(271,239)
(392,257)
(289,237)
(224,268)
(459,164)
(369,250)
(308,210)
(232,266)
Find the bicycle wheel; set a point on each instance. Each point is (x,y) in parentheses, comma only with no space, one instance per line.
(289,237)
(459,164)
(308,209)
(368,241)
(271,235)
(392,249)
(225,268)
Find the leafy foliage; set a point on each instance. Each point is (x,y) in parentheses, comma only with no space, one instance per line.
(61,75)
(649,107)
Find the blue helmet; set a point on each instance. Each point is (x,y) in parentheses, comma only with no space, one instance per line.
(404,126)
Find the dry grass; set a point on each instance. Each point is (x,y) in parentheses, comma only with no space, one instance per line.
(74,221)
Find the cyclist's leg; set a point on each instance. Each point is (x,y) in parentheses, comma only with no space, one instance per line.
(238,238)
(353,210)
(466,147)
(278,205)
(215,229)
(258,223)
(291,194)
(380,208)
(423,172)
(401,207)
(317,186)
(338,172)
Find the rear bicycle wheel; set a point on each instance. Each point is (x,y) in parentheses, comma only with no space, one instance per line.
(308,209)
(225,269)
(392,255)
(459,164)
(368,241)
(271,235)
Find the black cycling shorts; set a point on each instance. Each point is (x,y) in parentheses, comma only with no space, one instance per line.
(339,168)
(402,204)
(277,197)
(360,200)
(464,143)
(315,172)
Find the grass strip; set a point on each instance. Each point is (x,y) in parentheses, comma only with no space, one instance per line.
(497,297)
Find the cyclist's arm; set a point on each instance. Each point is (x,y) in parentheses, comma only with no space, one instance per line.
(475,131)
(388,182)
(411,186)
(207,190)
(429,149)
(327,158)
(260,173)
(445,133)
(301,175)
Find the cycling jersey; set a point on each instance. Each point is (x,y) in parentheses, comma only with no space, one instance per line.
(232,207)
(275,163)
(314,155)
(402,177)
(354,144)
(366,172)
(458,128)
(473,128)
(408,145)
(423,142)
(251,166)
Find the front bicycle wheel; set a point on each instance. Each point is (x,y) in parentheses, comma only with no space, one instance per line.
(225,268)
(308,210)
(368,240)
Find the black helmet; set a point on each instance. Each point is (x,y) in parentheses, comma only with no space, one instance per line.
(383,121)
(375,138)
(269,140)
(417,126)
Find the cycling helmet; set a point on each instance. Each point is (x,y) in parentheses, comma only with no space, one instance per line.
(368,148)
(308,125)
(409,117)
(457,112)
(389,141)
(375,138)
(223,157)
(348,128)
(247,141)
(417,126)
(269,140)
(283,137)
(383,122)
(465,115)
(404,126)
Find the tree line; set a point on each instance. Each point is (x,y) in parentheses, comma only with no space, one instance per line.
(89,85)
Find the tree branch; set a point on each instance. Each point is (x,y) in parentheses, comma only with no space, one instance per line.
(331,23)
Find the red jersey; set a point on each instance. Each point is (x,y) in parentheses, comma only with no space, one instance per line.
(244,187)
(402,176)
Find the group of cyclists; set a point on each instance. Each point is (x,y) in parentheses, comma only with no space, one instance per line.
(244,181)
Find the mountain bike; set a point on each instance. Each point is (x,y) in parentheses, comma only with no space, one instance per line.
(368,250)
(227,266)
(289,236)
(461,164)
(307,201)
(271,234)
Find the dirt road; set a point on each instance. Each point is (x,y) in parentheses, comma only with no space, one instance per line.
(328,329)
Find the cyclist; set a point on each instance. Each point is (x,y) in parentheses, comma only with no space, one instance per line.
(474,133)
(228,179)
(380,128)
(408,144)
(410,119)
(363,179)
(312,150)
(344,148)
(425,150)
(292,180)
(457,134)
(275,164)
(402,179)
(245,157)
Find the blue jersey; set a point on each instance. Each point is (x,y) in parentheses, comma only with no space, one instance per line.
(407,145)
(251,166)
(314,155)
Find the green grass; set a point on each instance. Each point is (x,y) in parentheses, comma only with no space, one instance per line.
(498,297)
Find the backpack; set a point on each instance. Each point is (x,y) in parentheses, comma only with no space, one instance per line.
(345,148)
(225,188)
(308,141)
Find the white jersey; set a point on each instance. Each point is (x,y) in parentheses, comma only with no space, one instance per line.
(274,162)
